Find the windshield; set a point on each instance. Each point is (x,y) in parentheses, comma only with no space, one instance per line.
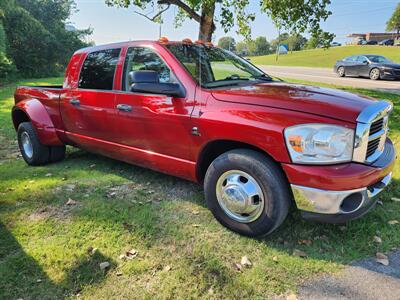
(214,67)
(378,59)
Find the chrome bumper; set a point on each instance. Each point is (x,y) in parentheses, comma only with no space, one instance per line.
(337,202)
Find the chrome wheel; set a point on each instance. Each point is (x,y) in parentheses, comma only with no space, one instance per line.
(27,144)
(375,74)
(240,196)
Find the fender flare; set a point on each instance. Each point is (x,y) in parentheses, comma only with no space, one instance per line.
(40,119)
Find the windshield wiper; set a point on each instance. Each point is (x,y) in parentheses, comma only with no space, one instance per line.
(264,77)
(234,77)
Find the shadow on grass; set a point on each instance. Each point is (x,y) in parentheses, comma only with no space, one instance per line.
(21,277)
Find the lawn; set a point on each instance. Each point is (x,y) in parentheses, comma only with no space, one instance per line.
(59,222)
(326,58)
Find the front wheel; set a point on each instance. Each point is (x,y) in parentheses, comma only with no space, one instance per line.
(247,192)
(33,152)
(340,71)
(375,74)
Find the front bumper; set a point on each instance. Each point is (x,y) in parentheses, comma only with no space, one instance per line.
(390,74)
(338,206)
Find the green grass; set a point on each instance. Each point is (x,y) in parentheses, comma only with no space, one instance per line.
(44,242)
(326,58)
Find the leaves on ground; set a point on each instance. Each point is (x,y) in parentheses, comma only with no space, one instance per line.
(382,259)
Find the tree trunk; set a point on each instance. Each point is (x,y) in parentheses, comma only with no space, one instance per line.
(207,26)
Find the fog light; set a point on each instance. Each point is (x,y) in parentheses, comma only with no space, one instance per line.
(352,203)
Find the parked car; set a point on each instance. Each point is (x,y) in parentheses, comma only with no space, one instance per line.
(388,42)
(336,44)
(361,42)
(372,66)
(204,114)
(371,42)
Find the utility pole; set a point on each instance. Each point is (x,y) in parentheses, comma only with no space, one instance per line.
(279,43)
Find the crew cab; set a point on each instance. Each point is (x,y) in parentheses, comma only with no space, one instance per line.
(196,111)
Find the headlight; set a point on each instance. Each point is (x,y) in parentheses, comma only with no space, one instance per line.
(319,143)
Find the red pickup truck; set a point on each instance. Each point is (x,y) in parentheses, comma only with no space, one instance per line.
(204,114)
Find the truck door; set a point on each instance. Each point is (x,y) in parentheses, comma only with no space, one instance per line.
(88,110)
(154,125)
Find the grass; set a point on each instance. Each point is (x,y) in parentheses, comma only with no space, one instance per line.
(326,58)
(45,244)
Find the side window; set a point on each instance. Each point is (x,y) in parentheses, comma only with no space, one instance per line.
(98,70)
(361,58)
(351,58)
(141,58)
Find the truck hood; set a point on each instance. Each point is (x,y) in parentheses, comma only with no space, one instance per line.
(331,103)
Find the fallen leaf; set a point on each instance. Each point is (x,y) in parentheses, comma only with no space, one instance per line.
(291,297)
(48,175)
(104,265)
(64,178)
(92,166)
(131,254)
(122,257)
(275,258)
(31,181)
(167,268)
(299,253)
(195,212)
(245,262)
(195,225)
(39,280)
(342,228)
(127,226)
(211,291)
(377,239)
(71,202)
(382,259)
(379,202)
(395,199)
(119,274)
(305,242)
(393,222)
(237,267)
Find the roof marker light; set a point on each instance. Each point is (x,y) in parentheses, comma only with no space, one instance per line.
(187,41)
(163,40)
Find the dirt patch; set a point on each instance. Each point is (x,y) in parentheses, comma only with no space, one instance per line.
(58,212)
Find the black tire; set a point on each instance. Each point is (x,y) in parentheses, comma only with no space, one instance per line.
(57,153)
(40,153)
(375,74)
(271,180)
(341,72)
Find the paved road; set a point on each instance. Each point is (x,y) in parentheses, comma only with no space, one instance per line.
(328,76)
(364,280)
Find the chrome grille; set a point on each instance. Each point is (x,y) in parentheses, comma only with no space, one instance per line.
(371,132)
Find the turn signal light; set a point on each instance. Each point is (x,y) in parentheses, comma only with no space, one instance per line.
(187,41)
(200,42)
(295,142)
(163,40)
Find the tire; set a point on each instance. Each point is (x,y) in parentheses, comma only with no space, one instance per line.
(33,152)
(341,72)
(375,74)
(272,198)
(57,153)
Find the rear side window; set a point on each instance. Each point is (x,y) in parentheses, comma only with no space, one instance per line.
(98,70)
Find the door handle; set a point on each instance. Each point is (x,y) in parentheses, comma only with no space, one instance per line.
(124,107)
(74,101)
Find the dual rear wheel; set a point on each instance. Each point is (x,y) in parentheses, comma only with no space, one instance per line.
(33,151)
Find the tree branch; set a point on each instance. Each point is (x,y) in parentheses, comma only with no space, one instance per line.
(155,16)
(190,11)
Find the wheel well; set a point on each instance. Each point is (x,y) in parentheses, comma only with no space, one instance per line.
(19,116)
(214,149)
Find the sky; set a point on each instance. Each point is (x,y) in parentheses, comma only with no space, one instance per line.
(112,24)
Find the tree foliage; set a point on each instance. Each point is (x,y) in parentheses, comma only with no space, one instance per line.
(393,24)
(232,12)
(228,43)
(36,40)
(296,16)
(259,46)
(299,16)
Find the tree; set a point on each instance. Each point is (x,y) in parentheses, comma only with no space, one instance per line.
(295,42)
(394,22)
(262,46)
(232,12)
(227,43)
(36,40)
(298,15)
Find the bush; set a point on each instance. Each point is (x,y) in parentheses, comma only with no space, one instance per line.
(7,68)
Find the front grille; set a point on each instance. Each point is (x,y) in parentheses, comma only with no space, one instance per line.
(373,146)
(371,131)
(377,132)
(396,72)
(376,127)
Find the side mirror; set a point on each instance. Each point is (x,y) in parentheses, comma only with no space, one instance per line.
(365,62)
(149,82)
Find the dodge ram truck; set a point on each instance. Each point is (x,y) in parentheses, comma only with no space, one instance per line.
(204,114)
